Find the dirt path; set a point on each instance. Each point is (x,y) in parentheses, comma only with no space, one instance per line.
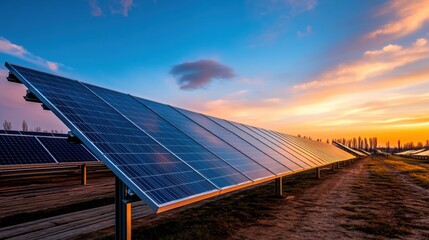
(368,200)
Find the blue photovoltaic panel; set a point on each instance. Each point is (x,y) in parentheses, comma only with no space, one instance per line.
(294,145)
(326,149)
(265,151)
(312,150)
(168,156)
(294,158)
(13,132)
(302,154)
(59,135)
(224,148)
(66,152)
(243,146)
(210,141)
(198,157)
(22,150)
(146,167)
(37,133)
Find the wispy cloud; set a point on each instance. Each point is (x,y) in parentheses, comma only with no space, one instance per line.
(373,63)
(12,49)
(115,6)
(95,8)
(198,74)
(409,16)
(308,31)
(279,14)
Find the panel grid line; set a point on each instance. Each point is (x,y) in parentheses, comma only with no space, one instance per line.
(218,137)
(149,135)
(247,143)
(192,137)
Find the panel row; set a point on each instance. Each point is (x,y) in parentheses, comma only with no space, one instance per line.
(169,155)
(20,149)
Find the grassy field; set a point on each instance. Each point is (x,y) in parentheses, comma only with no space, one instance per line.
(417,170)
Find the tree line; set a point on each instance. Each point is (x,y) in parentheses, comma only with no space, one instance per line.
(371,143)
(7,125)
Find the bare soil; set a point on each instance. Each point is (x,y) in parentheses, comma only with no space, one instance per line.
(369,200)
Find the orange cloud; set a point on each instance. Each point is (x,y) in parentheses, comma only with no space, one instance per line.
(409,16)
(372,64)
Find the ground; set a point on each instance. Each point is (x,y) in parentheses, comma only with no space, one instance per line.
(374,198)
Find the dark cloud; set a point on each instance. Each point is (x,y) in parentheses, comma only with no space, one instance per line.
(193,75)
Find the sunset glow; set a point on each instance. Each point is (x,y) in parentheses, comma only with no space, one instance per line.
(325,69)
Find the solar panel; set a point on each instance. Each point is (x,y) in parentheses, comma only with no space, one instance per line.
(16,150)
(350,150)
(168,156)
(13,132)
(64,152)
(244,146)
(184,147)
(327,150)
(312,151)
(261,151)
(37,133)
(59,135)
(146,167)
(282,151)
(300,153)
(211,141)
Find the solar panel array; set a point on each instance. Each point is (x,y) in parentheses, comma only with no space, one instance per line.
(17,148)
(349,150)
(170,156)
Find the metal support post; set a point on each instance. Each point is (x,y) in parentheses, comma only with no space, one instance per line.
(338,164)
(332,167)
(83,174)
(279,187)
(317,171)
(122,211)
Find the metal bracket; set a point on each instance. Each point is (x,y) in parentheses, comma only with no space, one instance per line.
(13,78)
(71,138)
(30,97)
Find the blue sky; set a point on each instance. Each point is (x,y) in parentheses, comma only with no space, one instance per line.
(247,59)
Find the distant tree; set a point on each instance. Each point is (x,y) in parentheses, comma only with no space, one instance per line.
(38,129)
(24,126)
(419,145)
(7,125)
(375,142)
(399,145)
(327,141)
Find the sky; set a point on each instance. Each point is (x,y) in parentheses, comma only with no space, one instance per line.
(325,69)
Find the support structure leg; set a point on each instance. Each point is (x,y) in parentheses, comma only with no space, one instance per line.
(338,164)
(332,167)
(83,174)
(122,212)
(279,187)
(317,173)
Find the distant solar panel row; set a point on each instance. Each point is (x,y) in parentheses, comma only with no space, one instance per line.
(170,156)
(38,149)
(349,150)
(48,134)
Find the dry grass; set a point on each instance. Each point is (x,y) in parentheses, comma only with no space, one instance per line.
(417,170)
(221,218)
